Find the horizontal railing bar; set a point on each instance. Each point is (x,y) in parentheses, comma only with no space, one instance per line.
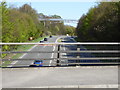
(86,51)
(21,64)
(101,58)
(70,63)
(15,64)
(86,43)
(28,59)
(96,63)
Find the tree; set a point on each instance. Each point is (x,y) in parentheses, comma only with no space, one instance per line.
(100,23)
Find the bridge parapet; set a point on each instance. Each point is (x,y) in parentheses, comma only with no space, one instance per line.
(89,53)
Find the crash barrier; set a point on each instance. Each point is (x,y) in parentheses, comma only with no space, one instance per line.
(70,53)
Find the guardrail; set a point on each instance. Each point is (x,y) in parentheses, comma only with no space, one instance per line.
(78,43)
(88,51)
(75,60)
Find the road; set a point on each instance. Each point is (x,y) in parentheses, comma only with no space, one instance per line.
(52,62)
(35,77)
(73,55)
(47,55)
(39,55)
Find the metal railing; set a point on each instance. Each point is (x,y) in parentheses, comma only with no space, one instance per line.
(81,60)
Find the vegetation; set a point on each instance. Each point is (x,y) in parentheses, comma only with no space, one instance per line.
(20,48)
(100,23)
(19,24)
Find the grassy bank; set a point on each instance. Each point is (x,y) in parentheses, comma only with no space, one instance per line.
(20,48)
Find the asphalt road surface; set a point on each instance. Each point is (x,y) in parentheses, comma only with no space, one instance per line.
(35,77)
(39,55)
(53,62)
(73,55)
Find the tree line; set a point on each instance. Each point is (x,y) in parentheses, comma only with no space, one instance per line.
(18,24)
(101,23)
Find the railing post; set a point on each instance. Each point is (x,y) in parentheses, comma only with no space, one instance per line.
(58,56)
(78,55)
(78,49)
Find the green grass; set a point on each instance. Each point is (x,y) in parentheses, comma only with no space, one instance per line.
(21,48)
(59,40)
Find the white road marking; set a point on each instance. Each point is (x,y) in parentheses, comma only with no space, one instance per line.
(54,50)
(64,55)
(14,62)
(52,55)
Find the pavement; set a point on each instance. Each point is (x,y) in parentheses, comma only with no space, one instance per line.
(59,76)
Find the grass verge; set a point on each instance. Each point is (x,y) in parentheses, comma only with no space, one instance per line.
(20,48)
(59,40)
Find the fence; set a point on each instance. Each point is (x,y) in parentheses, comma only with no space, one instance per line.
(67,54)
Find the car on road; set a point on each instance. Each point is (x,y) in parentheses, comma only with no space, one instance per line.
(72,37)
(38,63)
(50,36)
(45,39)
(41,41)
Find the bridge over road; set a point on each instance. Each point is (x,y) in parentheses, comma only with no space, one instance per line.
(46,77)
(55,74)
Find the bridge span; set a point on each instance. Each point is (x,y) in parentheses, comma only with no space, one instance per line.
(56,77)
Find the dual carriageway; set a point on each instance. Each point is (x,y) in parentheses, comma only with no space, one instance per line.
(58,67)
